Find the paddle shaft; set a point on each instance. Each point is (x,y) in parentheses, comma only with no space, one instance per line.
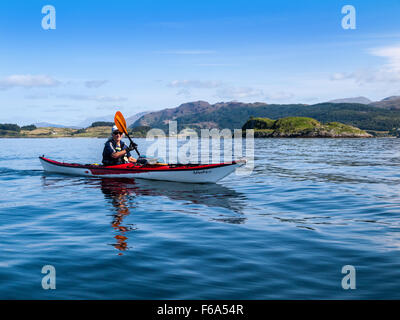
(121,124)
(132,143)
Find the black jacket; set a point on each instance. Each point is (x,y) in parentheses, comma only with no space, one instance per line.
(109,148)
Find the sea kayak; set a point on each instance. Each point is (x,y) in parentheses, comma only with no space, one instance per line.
(192,173)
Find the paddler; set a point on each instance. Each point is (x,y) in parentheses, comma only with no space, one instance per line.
(116,151)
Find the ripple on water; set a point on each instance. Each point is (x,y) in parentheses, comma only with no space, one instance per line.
(310,207)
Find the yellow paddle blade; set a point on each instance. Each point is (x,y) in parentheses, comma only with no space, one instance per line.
(120,122)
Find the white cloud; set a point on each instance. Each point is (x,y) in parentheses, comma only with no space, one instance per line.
(95,83)
(238,93)
(194,84)
(105,107)
(184,92)
(341,76)
(366,76)
(279,96)
(92,98)
(388,72)
(36,96)
(392,54)
(27,81)
(226,91)
(108,98)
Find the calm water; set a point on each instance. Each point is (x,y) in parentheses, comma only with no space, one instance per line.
(310,207)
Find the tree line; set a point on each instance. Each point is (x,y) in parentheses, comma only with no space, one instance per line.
(16,128)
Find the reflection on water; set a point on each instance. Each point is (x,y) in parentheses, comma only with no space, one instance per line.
(124,195)
(310,207)
(118,194)
(210,195)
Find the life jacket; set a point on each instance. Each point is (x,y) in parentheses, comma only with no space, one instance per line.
(109,148)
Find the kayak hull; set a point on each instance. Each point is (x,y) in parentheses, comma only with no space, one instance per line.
(207,173)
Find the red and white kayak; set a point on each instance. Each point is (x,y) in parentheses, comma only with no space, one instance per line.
(192,173)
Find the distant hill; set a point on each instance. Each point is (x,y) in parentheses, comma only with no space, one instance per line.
(198,115)
(110,118)
(47,124)
(233,115)
(161,118)
(360,100)
(392,103)
(301,127)
(88,121)
(130,120)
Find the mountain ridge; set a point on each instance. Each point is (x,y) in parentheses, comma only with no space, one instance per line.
(361,100)
(232,115)
(392,103)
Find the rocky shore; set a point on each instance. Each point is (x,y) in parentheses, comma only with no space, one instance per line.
(302,127)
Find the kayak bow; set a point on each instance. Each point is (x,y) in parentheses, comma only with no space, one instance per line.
(192,173)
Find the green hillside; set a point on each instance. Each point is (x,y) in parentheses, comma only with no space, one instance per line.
(232,115)
(298,127)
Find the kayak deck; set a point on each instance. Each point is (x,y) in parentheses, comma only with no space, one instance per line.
(193,173)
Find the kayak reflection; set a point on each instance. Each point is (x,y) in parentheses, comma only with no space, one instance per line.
(124,195)
(119,196)
(122,192)
(211,195)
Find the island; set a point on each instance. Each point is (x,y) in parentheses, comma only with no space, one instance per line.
(301,127)
(96,130)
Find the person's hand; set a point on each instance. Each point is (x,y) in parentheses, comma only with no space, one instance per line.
(132,146)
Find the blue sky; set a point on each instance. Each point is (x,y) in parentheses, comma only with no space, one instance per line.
(149,55)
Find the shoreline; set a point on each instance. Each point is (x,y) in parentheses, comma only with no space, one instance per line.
(141,137)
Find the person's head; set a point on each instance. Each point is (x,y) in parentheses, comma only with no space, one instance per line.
(116,134)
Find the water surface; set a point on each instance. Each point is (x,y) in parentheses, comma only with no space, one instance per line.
(310,207)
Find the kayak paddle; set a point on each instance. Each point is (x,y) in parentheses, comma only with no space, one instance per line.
(121,125)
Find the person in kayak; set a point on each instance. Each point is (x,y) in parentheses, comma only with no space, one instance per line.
(116,151)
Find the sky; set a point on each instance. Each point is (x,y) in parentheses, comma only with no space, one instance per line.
(137,56)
